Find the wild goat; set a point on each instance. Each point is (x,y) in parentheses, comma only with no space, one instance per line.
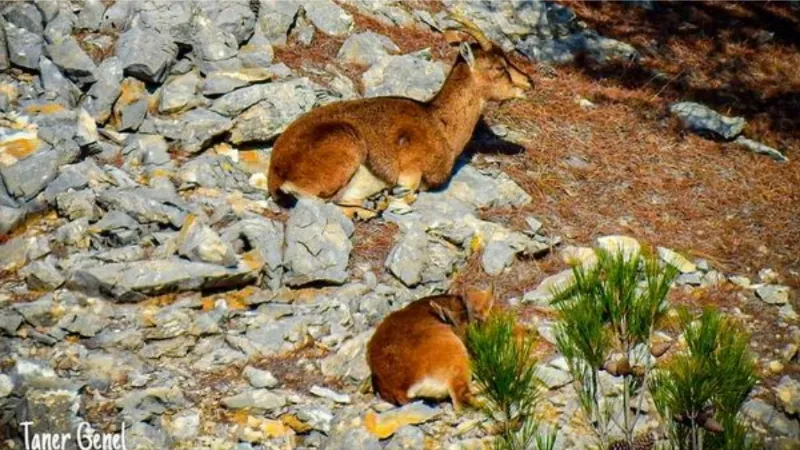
(419,351)
(351,150)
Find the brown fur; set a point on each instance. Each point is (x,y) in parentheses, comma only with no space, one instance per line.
(399,140)
(422,341)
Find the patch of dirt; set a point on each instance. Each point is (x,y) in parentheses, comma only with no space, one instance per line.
(296,370)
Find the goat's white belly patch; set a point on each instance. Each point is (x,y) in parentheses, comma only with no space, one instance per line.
(362,185)
(429,387)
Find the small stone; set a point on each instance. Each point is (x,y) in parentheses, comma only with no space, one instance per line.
(740,281)
(549,287)
(404,75)
(788,393)
(6,385)
(768,276)
(534,225)
(330,395)
(676,260)
(767,416)
(773,294)
(101,96)
(692,279)
(260,399)
(131,105)
(775,366)
(761,149)
(386,424)
(318,418)
(259,378)
(585,257)
(407,438)
(198,242)
(789,352)
(625,245)
(224,81)
(702,119)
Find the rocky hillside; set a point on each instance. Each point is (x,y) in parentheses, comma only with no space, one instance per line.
(147,279)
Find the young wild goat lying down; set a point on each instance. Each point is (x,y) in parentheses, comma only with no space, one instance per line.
(419,351)
(350,150)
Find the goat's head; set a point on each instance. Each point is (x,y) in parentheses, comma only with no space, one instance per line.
(495,74)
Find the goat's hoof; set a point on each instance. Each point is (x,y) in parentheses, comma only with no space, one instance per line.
(410,198)
(358,212)
(398,206)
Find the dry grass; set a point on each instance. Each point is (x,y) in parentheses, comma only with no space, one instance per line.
(372,242)
(622,168)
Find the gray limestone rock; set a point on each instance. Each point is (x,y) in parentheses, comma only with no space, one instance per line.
(232,16)
(103,93)
(10,217)
(91,16)
(267,119)
(211,43)
(146,54)
(275,19)
(329,17)
(257,399)
(317,244)
(761,149)
(72,60)
(405,76)
(28,177)
(265,236)
(418,258)
(366,48)
(24,15)
(134,281)
(55,82)
(24,47)
(702,119)
(178,92)
(195,129)
(773,294)
(222,82)
(299,90)
(259,378)
(198,242)
(77,204)
(42,276)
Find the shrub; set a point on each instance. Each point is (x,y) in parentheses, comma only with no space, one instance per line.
(505,371)
(612,309)
(700,391)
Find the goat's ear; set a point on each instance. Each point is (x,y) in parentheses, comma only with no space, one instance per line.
(466,52)
(480,302)
(444,314)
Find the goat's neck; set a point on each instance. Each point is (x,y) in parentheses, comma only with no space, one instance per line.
(458,107)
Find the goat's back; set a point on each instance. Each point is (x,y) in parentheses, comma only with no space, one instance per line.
(414,349)
(383,133)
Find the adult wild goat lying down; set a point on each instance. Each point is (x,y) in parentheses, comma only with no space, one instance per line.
(350,150)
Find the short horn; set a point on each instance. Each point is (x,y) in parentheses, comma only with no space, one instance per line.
(473,30)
